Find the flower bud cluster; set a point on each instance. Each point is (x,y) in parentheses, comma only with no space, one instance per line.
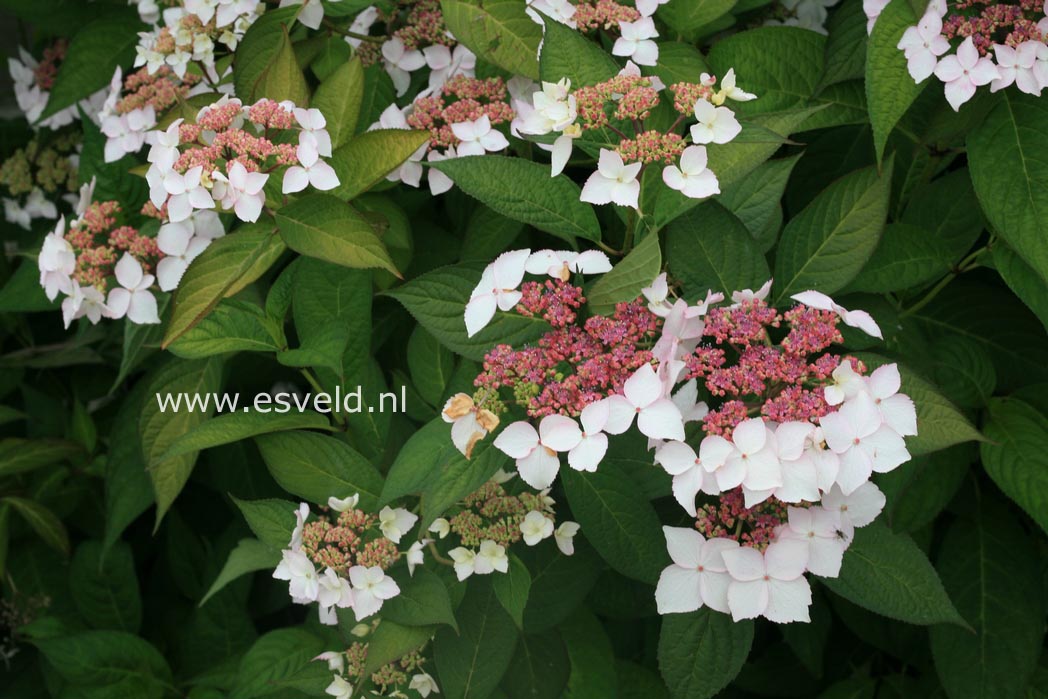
(780,476)
(34,176)
(406,673)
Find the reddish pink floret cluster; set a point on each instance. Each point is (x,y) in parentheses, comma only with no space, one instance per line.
(161,90)
(98,239)
(462,99)
(632,97)
(729,518)
(603,14)
(988,23)
(685,95)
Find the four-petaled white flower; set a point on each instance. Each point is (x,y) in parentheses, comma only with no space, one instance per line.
(692,178)
(478,137)
(491,558)
(465,562)
(400,63)
(311,170)
(497,289)
(371,587)
(729,90)
(182,192)
(749,295)
(163,151)
(657,294)
(855,510)
(963,72)
(643,397)
(770,585)
(535,527)
(445,63)
(332,592)
(560,11)
(441,527)
(182,242)
(636,41)
(593,444)
(923,44)
(716,124)
(749,459)
(1017,64)
(816,529)
(395,523)
(241,191)
(84,301)
(896,409)
(698,575)
(647,8)
(535,451)
(614,181)
(864,443)
(301,574)
(689,477)
(340,688)
(133,297)
(313,131)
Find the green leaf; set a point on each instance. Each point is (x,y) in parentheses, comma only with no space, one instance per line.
(265,48)
(22,292)
(624,282)
(710,249)
(339,99)
(1023,280)
(233,427)
(687,16)
(512,589)
(622,527)
(679,62)
(906,257)
(95,51)
(947,210)
(232,326)
(498,31)
(392,641)
(825,245)
(1008,156)
(365,160)
(887,574)
(992,573)
(846,44)
(275,656)
(106,590)
(964,371)
(701,652)
(431,365)
(423,601)
(539,669)
(568,54)
(20,455)
(107,664)
(437,300)
(920,491)
(43,521)
(324,227)
(271,520)
(227,266)
(248,556)
(523,190)
(755,199)
(782,65)
(471,663)
(1015,457)
(128,490)
(159,427)
(315,467)
(559,583)
(889,88)
(591,655)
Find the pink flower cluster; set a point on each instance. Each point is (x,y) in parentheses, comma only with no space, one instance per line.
(779,478)
(462,100)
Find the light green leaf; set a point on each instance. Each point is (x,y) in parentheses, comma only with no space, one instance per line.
(755,199)
(624,282)
(523,190)
(271,520)
(889,88)
(42,520)
(160,423)
(568,54)
(710,249)
(825,245)
(687,16)
(366,159)
(227,266)
(701,652)
(315,467)
(324,227)
(1015,457)
(423,601)
(498,31)
(622,527)
(248,556)
(679,62)
(233,427)
(265,47)
(232,326)
(906,257)
(437,300)
(992,573)
(339,98)
(392,641)
(512,589)
(887,574)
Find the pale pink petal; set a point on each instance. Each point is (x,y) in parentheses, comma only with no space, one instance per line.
(517,440)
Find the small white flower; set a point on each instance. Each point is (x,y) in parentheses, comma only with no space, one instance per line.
(395,523)
(416,555)
(301,574)
(636,42)
(313,123)
(564,536)
(57,262)
(332,592)
(490,558)
(84,301)
(424,684)
(963,72)
(535,527)
(465,562)
(644,398)
(345,504)
(241,191)
(497,289)
(692,178)
(729,90)
(614,181)
(400,63)
(311,170)
(441,527)
(340,688)
(371,587)
(133,297)
(477,137)
(716,124)
(336,662)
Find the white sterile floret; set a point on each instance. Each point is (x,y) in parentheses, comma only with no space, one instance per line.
(535,527)
(613,182)
(395,523)
(698,576)
(497,289)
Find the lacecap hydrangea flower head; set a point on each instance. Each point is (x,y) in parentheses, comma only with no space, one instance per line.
(769,432)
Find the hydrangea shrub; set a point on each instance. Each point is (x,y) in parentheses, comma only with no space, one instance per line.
(524,348)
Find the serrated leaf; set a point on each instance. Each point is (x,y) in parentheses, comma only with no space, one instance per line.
(324,227)
(624,282)
(106,590)
(392,641)
(825,245)
(42,520)
(271,520)
(339,98)
(1015,457)
(248,556)
(232,326)
(905,257)
(471,663)
(701,652)
(233,427)
(366,159)
(523,190)
(275,656)
(498,31)
(437,300)
(512,589)
(710,249)
(889,88)
(887,574)
(568,54)
(315,467)
(423,601)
